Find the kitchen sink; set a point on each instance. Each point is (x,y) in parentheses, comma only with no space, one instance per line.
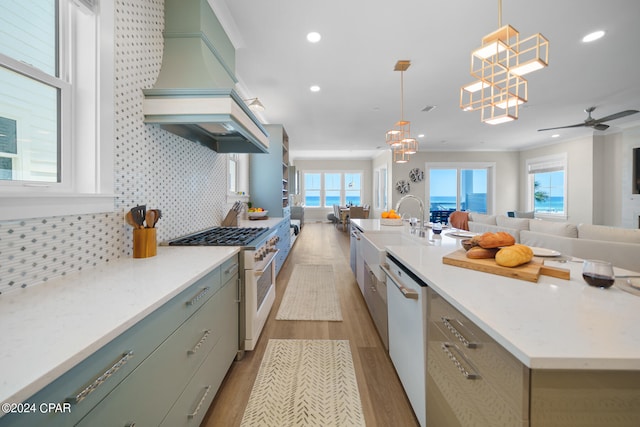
(373,247)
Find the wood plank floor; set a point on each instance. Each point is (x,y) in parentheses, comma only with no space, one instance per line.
(384,402)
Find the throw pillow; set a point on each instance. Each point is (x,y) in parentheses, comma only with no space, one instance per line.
(562,229)
(482,218)
(516,223)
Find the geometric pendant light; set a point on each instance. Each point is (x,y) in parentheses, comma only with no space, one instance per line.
(498,65)
(399,137)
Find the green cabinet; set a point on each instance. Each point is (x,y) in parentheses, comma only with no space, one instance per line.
(269,174)
(141,375)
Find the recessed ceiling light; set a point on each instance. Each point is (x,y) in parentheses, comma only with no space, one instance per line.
(421,135)
(313,37)
(315,88)
(555,135)
(593,36)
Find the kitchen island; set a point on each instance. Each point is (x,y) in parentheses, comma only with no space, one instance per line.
(579,351)
(56,327)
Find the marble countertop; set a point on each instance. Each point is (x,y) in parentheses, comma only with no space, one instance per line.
(51,327)
(551,324)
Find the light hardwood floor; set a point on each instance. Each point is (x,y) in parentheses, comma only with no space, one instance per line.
(383,400)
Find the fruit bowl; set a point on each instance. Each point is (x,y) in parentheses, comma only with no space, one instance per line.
(390,221)
(257,214)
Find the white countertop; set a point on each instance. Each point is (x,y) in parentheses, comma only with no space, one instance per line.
(49,328)
(552,324)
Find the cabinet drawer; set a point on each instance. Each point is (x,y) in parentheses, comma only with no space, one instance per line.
(506,376)
(228,270)
(193,403)
(92,379)
(157,382)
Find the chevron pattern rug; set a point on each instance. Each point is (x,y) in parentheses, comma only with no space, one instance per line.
(310,295)
(305,383)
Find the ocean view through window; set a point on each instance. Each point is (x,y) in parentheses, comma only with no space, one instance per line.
(325,189)
(457,187)
(547,185)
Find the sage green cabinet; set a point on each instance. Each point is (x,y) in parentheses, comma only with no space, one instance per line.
(138,377)
(269,174)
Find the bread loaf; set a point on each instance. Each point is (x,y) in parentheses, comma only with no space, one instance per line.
(514,255)
(494,240)
(477,252)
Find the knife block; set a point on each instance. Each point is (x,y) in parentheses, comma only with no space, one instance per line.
(144,242)
(231,220)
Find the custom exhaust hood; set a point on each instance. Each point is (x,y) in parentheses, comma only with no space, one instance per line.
(194,94)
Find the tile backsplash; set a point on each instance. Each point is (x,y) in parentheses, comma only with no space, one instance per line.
(153,167)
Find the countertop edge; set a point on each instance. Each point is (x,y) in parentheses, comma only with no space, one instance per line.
(218,256)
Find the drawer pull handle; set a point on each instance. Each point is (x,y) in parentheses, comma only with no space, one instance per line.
(239,290)
(204,396)
(447,323)
(232,270)
(407,293)
(202,340)
(101,379)
(199,296)
(468,375)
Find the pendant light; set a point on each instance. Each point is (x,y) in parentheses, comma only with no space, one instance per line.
(399,137)
(498,65)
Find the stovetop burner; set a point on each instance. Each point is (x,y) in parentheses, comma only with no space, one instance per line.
(221,236)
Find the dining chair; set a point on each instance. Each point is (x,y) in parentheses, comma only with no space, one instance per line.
(357,212)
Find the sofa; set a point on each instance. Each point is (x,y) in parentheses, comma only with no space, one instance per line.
(620,246)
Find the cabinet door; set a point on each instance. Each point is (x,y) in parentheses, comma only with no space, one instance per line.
(146,395)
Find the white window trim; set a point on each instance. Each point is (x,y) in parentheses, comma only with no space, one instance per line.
(380,187)
(491,179)
(323,195)
(91,185)
(562,159)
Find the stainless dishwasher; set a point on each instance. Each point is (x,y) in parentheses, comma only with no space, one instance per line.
(407,320)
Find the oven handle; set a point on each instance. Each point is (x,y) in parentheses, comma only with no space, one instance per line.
(267,264)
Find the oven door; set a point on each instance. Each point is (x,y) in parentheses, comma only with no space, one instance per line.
(260,293)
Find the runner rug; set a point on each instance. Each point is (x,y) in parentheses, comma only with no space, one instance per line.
(310,295)
(305,383)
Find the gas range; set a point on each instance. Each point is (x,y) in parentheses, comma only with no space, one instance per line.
(222,236)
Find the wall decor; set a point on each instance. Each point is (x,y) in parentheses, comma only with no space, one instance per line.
(416,175)
(403,186)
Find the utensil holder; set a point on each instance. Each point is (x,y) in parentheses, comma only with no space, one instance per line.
(144,242)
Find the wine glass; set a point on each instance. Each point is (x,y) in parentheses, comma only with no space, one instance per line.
(598,273)
(437,228)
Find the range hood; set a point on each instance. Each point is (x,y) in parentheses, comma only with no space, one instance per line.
(194,94)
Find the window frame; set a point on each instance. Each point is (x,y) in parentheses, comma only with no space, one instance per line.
(323,190)
(459,166)
(550,163)
(86,139)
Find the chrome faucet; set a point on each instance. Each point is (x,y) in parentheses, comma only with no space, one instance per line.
(421,203)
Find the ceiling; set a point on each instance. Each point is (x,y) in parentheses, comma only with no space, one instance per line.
(362,40)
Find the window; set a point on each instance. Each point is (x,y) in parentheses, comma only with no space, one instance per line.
(332,187)
(312,189)
(232,173)
(56,114)
(352,188)
(380,189)
(467,187)
(547,185)
(325,189)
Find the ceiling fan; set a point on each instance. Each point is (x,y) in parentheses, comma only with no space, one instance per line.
(597,124)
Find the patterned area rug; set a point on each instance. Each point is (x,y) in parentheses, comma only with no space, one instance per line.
(310,295)
(305,383)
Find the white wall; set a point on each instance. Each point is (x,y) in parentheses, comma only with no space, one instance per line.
(507,174)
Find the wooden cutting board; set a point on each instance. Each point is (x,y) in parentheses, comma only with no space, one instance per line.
(530,271)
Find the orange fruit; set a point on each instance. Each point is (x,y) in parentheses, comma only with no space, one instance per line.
(384,214)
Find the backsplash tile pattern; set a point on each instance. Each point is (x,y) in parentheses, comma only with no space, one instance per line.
(183,179)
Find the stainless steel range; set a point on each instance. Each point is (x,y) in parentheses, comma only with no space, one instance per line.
(258,273)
